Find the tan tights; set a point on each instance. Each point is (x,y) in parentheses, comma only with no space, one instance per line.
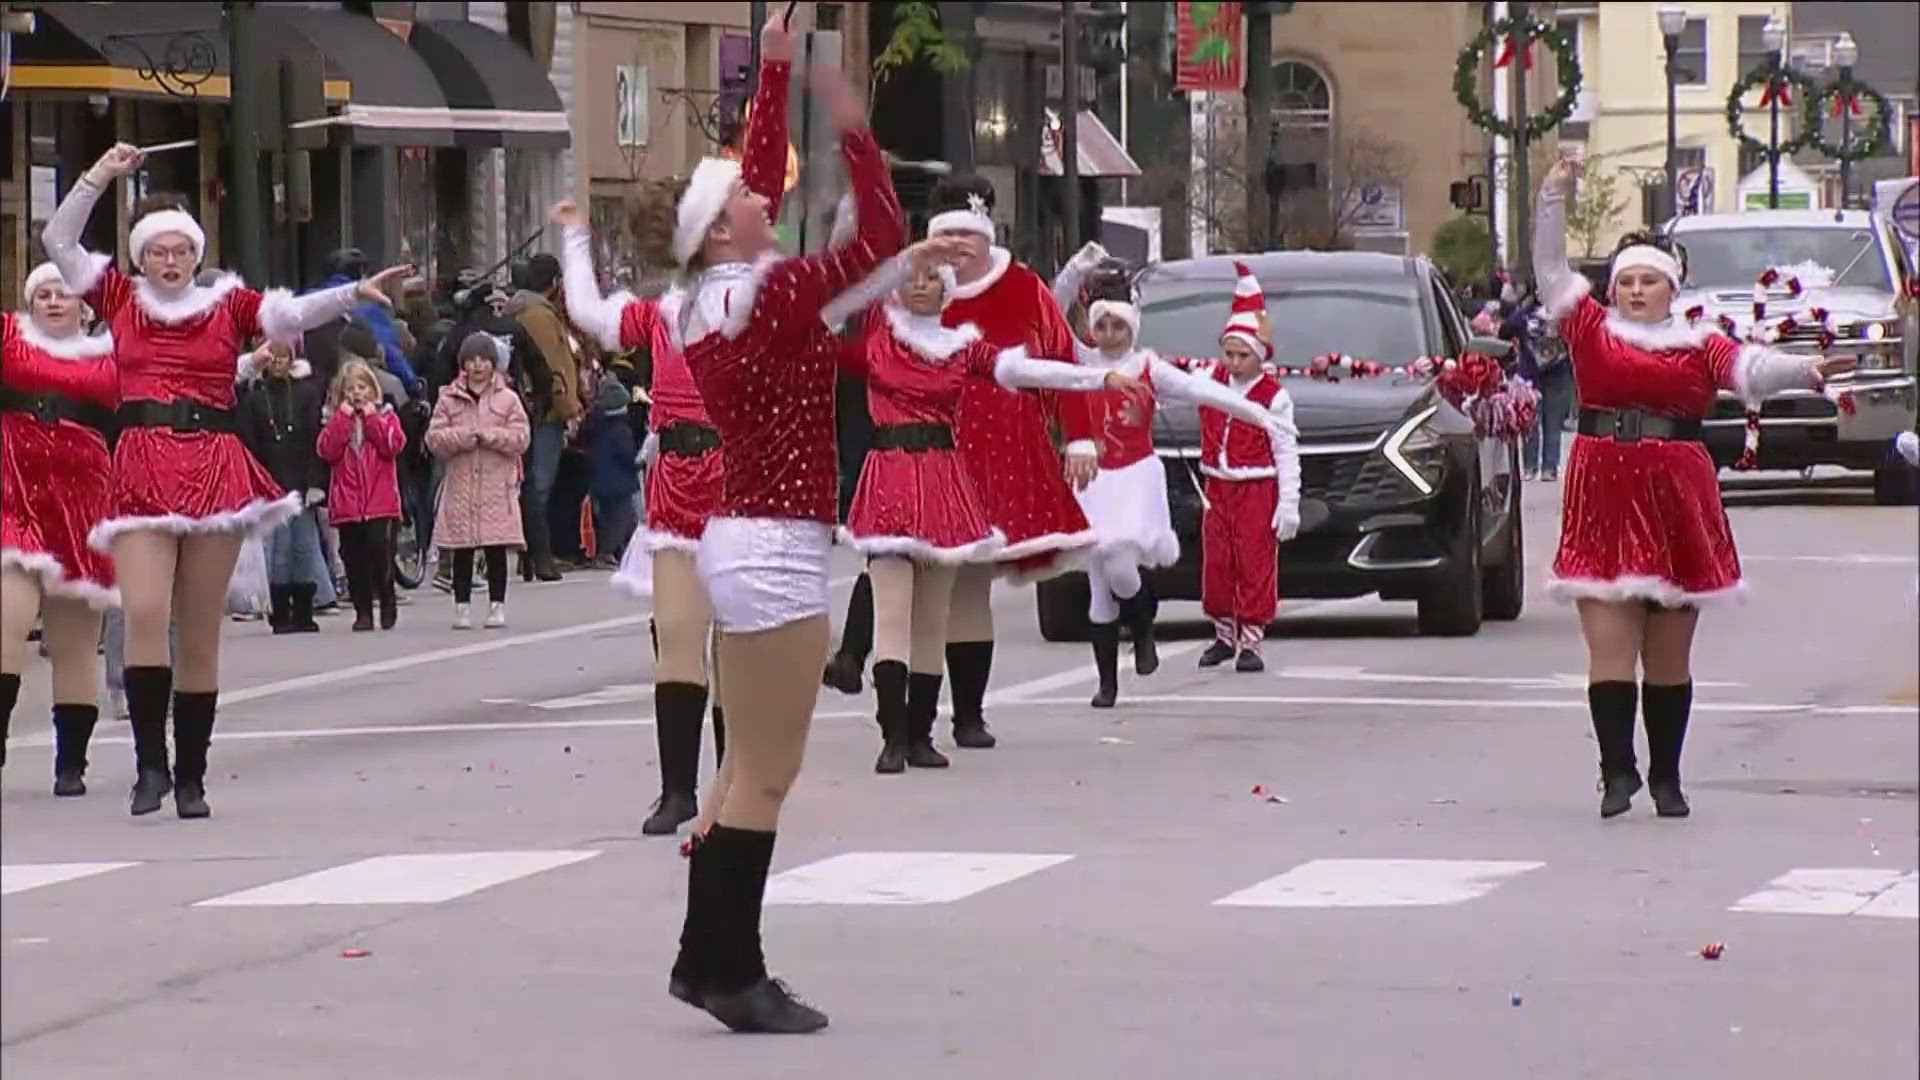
(181,580)
(682,621)
(772,682)
(72,633)
(910,607)
(971,616)
(1619,633)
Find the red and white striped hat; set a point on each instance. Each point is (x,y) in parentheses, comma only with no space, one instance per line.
(1248,320)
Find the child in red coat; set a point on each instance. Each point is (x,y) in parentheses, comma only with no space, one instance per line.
(362,442)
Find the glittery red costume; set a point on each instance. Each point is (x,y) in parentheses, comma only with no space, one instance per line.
(55,472)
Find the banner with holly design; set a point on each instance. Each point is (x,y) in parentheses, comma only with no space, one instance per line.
(1208,54)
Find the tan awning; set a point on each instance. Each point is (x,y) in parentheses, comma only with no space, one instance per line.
(1098,153)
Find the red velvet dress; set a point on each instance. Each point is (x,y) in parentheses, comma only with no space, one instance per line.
(173,350)
(1003,434)
(682,490)
(919,504)
(55,478)
(1643,520)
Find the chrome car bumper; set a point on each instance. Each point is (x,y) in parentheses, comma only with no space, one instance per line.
(1814,429)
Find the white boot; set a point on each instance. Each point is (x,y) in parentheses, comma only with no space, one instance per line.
(496,615)
(463,616)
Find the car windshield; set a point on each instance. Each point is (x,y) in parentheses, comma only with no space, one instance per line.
(1735,258)
(1378,320)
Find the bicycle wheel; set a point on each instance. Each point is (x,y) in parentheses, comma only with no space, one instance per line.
(409,563)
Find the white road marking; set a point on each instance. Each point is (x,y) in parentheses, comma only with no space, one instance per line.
(617,694)
(1842,560)
(1378,883)
(19,877)
(902,877)
(1835,891)
(244,735)
(1556,681)
(402,879)
(1479,703)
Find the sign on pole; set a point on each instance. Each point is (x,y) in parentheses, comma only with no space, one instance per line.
(1208,54)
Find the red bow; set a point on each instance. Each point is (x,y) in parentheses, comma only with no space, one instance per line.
(1778,89)
(1511,46)
(1848,101)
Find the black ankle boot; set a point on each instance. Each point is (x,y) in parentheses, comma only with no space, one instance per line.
(923,702)
(192,735)
(679,711)
(969,668)
(300,612)
(1667,709)
(279,607)
(9,695)
(1218,653)
(72,731)
(1139,611)
(737,990)
(1613,706)
(149,691)
(856,640)
(890,688)
(1106,662)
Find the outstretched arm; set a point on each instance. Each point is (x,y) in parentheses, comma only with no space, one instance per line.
(1173,382)
(1015,370)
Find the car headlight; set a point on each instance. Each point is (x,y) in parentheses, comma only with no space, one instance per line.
(1415,450)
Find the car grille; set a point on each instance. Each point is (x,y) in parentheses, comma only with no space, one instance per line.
(1357,479)
(1788,408)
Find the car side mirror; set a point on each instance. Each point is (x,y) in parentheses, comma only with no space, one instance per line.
(1493,347)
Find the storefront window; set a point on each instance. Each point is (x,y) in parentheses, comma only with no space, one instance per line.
(416,210)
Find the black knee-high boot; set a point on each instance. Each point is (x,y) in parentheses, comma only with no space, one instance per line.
(688,980)
(923,702)
(72,731)
(192,735)
(856,640)
(279,607)
(1138,611)
(9,694)
(149,691)
(890,712)
(679,712)
(1106,662)
(1667,709)
(1612,704)
(736,988)
(969,668)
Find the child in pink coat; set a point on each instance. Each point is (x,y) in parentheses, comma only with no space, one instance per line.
(361,442)
(479,429)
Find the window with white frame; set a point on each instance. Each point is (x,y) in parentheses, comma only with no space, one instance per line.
(1690,58)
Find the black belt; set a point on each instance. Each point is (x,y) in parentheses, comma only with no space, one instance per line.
(913,438)
(1632,425)
(180,415)
(50,408)
(688,440)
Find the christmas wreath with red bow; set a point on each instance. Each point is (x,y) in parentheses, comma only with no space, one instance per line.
(1824,106)
(1777,84)
(1516,36)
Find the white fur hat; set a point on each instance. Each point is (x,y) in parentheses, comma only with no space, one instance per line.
(161,222)
(707,193)
(41,275)
(1644,257)
(1118,309)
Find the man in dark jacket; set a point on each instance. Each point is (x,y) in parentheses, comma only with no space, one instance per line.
(534,307)
(279,419)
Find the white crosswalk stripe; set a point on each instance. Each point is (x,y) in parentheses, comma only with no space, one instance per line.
(902,877)
(1379,883)
(1872,892)
(401,879)
(19,877)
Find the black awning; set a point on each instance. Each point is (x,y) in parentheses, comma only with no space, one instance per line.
(396,101)
(497,94)
(162,48)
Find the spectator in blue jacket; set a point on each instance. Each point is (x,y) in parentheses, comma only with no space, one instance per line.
(350,264)
(614,474)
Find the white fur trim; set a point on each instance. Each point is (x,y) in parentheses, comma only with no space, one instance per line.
(973,221)
(1638,587)
(190,303)
(984,549)
(705,200)
(247,369)
(924,334)
(999,260)
(1065,560)
(635,578)
(1119,309)
(43,274)
(54,580)
(71,347)
(1047,543)
(723,303)
(1661,336)
(161,222)
(1559,296)
(870,290)
(257,518)
(1760,372)
(1644,257)
(284,317)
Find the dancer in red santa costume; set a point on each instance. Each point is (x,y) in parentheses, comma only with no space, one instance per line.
(1127,501)
(684,483)
(185,490)
(753,327)
(1644,540)
(1003,437)
(58,390)
(916,515)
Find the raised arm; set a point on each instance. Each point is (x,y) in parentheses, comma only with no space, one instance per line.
(590,311)
(1284,435)
(879,231)
(1561,288)
(1067,283)
(81,269)
(763,153)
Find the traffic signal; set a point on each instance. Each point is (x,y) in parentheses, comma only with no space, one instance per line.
(1103,34)
(1465,195)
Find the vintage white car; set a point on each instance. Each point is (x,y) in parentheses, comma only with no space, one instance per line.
(1851,265)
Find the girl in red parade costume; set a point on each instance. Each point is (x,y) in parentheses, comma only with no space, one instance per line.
(684,483)
(1127,500)
(1644,540)
(186,492)
(916,515)
(58,390)
(753,328)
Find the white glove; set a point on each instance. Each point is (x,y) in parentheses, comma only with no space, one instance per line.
(649,450)
(315,497)
(1090,255)
(1286,524)
(1907,445)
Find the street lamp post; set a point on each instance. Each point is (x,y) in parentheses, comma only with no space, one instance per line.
(1845,53)
(1774,37)
(1673,20)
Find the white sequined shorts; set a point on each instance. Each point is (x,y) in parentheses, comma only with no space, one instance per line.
(763,573)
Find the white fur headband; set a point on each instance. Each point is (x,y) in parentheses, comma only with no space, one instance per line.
(45,273)
(1644,257)
(1118,309)
(705,200)
(961,221)
(161,222)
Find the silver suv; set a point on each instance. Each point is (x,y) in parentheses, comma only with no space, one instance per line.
(1869,268)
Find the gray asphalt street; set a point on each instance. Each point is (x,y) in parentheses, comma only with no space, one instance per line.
(1380,859)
